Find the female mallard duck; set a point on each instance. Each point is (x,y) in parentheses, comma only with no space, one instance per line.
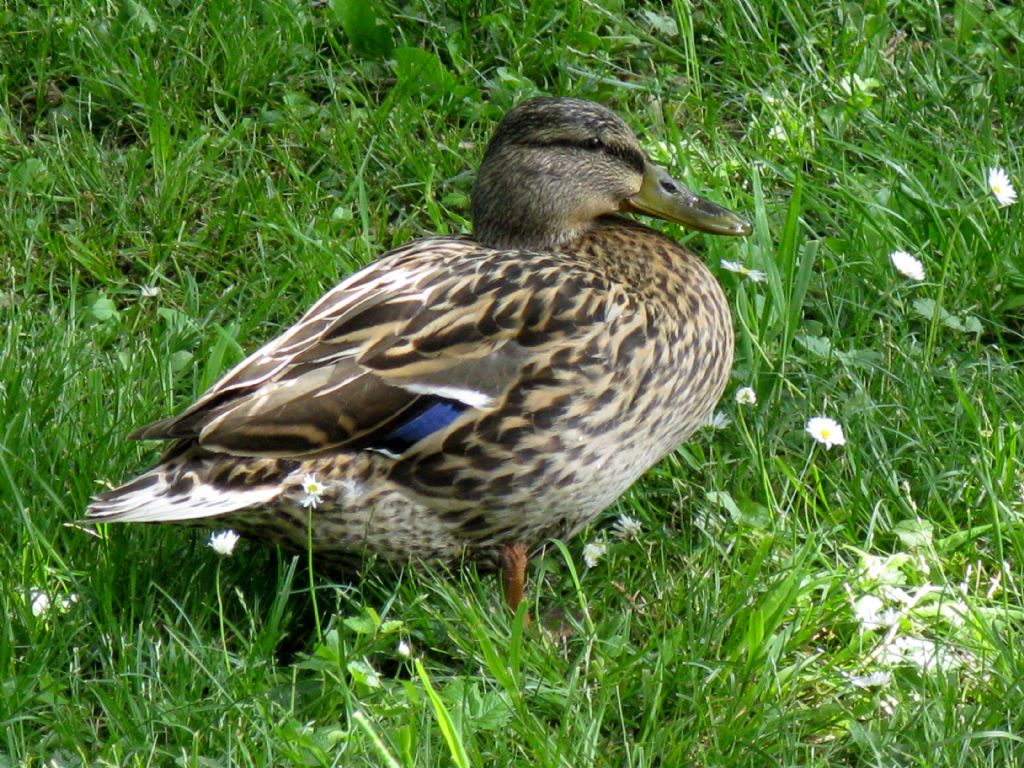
(470,396)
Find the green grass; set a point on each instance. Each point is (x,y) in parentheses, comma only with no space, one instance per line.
(242,156)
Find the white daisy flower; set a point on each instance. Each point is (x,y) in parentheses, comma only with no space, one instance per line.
(867,608)
(223,542)
(1001,186)
(718,420)
(149,291)
(746,396)
(593,552)
(919,652)
(404,649)
(752,274)
(886,571)
(627,528)
(880,679)
(872,613)
(67,602)
(907,265)
(826,431)
(313,489)
(40,602)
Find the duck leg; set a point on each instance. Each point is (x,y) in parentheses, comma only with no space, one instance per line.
(513,574)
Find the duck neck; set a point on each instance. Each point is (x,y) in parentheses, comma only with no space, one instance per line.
(526,206)
(526,235)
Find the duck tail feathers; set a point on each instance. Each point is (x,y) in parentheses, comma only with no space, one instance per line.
(175,491)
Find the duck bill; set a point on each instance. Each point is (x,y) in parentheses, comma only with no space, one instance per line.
(662,196)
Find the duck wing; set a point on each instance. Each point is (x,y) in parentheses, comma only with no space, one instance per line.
(398,351)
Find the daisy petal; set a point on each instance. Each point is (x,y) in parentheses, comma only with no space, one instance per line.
(223,542)
(907,265)
(826,431)
(1001,186)
(746,396)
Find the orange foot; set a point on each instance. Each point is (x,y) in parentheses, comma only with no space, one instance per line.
(513,575)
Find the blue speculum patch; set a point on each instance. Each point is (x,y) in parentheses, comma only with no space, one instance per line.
(437,415)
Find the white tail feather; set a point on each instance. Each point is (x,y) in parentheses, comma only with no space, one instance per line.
(145,500)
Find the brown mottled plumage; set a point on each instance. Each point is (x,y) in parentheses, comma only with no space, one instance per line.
(470,397)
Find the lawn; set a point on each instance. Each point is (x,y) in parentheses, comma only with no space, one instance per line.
(178,181)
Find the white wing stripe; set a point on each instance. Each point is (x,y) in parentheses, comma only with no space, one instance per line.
(471,397)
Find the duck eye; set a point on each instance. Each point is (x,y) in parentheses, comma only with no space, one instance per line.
(593,143)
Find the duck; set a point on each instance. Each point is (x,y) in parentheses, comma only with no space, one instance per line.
(469,398)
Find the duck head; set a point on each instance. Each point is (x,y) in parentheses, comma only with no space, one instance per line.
(556,165)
